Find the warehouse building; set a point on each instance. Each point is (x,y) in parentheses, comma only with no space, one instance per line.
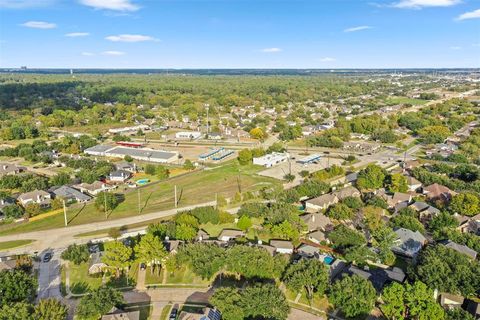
(143,154)
(269,160)
(188,135)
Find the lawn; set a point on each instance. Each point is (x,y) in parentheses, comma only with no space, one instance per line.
(182,275)
(318,301)
(14,244)
(404,100)
(165,312)
(198,187)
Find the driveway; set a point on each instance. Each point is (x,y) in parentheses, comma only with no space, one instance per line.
(49,277)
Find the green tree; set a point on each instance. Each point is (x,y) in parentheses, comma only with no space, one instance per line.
(185,232)
(343,237)
(353,295)
(60,179)
(264,301)
(16,286)
(244,223)
(50,309)
(398,183)
(360,255)
(150,169)
(250,262)
(33,209)
(467,204)
(459,314)
(76,253)
(340,211)
(393,306)
(99,302)
(245,156)
(308,274)
(13,211)
(188,165)
(16,311)
(162,172)
(106,198)
(407,222)
(228,301)
(370,178)
(117,256)
(150,249)
(434,134)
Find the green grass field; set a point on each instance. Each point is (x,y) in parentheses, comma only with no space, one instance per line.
(181,276)
(404,100)
(14,244)
(194,188)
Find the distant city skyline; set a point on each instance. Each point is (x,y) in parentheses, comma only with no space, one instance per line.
(272,34)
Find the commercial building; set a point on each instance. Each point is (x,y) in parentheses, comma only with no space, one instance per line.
(192,135)
(142,127)
(269,160)
(309,159)
(144,154)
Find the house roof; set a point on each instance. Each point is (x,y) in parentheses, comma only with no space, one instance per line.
(347,192)
(408,242)
(33,195)
(317,235)
(419,205)
(97,185)
(232,233)
(446,299)
(117,314)
(411,181)
(461,248)
(400,197)
(308,249)
(119,173)
(96,258)
(69,192)
(316,221)
(281,244)
(323,200)
(437,190)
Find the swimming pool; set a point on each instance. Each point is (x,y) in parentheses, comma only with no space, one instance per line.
(328,260)
(141,182)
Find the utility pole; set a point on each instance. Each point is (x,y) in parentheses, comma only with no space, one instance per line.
(65,213)
(139,207)
(176,202)
(105,203)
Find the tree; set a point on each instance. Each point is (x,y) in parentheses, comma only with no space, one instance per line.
(33,209)
(13,211)
(343,237)
(188,165)
(150,169)
(16,311)
(151,250)
(372,217)
(264,301)
(204,259)
(353,295)
(185,232)
(99,302)
(245,156)
(308,274)
(398,183)
(244,223)
(250,262)
(434,134)
(340,211)
(106,198)
(114,233)
(370,178)
(56,203)
(228,301)
(360,255)
(50,309)
(60,179)
(76,253)
(16,286)
(162,172)
(459,314)
(442,222)
(407,222)
(258,133)
(467,204)
(393,306)
(117,256)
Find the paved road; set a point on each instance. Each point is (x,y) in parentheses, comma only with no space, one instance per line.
(63,237)
(49,277)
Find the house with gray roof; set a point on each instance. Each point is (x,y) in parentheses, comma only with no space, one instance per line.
(229,234)
(70,194)
(308,251)
(40,197)
(320,203)
(317,237)
(408,242)
(119,176)
(8,169)
(347,192)
(94,188)
(282,246)
(460,248)
(316,221)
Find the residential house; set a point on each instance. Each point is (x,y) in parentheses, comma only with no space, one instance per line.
(70,194)
(437,192)
(229,234)
(347,192)
(307,251)
(118,314)
(172,245)
(202,235)
(320,203)
(398,198)
(468,224)
(413,184)
(428,214)
(419,206)
(460,248)
(378,277)
(317,237)
(96,265)
(317,221)
(451,301)
(126,166)
(472,307)
(5,202)
(408,242)
(7,265)
(282,246)
(7,169)
(40,197)
(119,176)
(94,188)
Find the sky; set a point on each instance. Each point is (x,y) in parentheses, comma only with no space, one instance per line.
(325,34)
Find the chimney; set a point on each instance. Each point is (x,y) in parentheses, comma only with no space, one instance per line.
(313,217)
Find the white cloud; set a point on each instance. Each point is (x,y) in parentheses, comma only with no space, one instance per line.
(77,34)
(130,38)
(455,48)
(359,28)
(88,54)
(22,4)
(39,25)
(327,59)
(113,53)
(116,5)
(418,4)
(271,50)
(475,14)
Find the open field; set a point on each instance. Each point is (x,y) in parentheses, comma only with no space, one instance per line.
(14,244)
(194,188)
(404,100)
(182,276)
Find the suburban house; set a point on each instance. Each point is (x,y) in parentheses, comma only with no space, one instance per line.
(5,202)
(308,251)
(437,192)
(378,277)
(40,197)
(126,166)
(96,265)
(460,248)
(282,246)
(70,194)
(118,314)
(9,169)
(451,301)
(94,188)
(202,235)
(172,245)
(413,184)
(317,221)
(320,203)
(397,198)
(468,224)
(347,192)
(119,176)
(408,243)
(317,237)
(229,234)
(428,214)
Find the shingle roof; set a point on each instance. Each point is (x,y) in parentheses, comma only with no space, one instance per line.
(461,248)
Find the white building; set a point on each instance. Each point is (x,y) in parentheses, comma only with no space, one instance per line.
(142,127)
(269,160)
(188,135)
(143,154)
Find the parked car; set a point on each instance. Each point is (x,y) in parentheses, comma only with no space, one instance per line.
(142,266)
(173,314)
(47,257)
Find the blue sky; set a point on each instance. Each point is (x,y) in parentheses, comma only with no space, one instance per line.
(239,33)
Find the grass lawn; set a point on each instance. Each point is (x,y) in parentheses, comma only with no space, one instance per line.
(14,244)
(404,100)
(183,275)
(198,187)
(165,312)
(318,301)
